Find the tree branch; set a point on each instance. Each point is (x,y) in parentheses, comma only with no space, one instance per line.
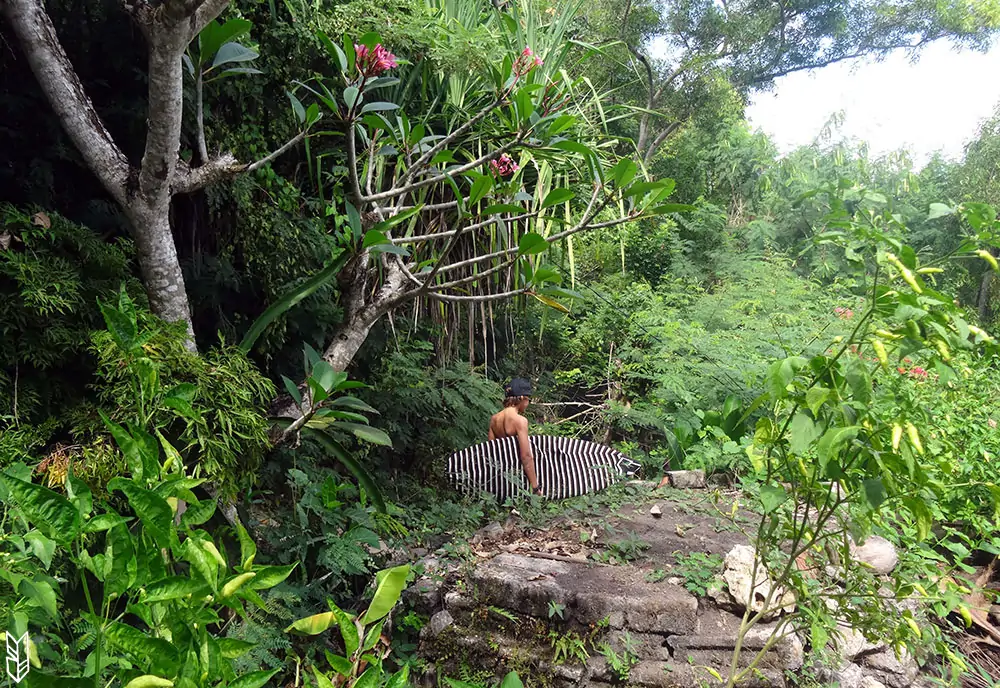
(206,11)
(199,114)
(478,225)
(188,179)
(478,299)
(62,88)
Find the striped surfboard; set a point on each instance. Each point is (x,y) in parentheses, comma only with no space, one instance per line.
(565,467)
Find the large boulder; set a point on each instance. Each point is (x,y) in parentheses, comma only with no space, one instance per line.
(753,589)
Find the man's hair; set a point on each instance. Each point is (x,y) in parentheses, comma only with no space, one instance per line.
(513,401)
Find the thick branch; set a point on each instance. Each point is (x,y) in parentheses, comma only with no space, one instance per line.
(206,11)
(478,225)
(189,180)
(63,90)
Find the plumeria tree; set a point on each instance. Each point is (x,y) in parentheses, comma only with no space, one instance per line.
(463,214)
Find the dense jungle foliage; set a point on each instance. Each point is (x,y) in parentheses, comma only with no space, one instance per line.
(448,194)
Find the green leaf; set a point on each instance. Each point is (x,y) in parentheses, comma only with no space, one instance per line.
(42,547)
(312,625)
(233,52)
(48,511)
(378,106)
(480,188)
(42,595)
(939,210)
(832,442)
(333,50)
(364,478)
(323,682)
(152,509)
(215,34)
(248,548)
(79,494)
(511,680)
(390,587)
(803,432)
(292,389)
(232,648)
(141,646)
(290,299)
(874,492)
(174,588)
(574,147)
(623,172)
(255,679)
(123,329)
(297,107)
(200,561)
(103,522)
(353,403)
(367,433)
(352,96)
(557,196)
(532,243)
(370,678)
(401,678)
(771,497)
(354,218)
(269,576)
(373,237)
(816,397)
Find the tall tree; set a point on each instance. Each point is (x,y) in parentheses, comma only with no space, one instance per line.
(144,191)
(682,52)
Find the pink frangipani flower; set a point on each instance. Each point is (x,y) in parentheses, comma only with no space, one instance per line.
(374,61)
(504,166)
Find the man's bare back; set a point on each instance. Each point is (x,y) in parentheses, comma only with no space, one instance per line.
(510,423)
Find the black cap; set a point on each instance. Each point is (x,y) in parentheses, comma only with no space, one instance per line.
(518,387)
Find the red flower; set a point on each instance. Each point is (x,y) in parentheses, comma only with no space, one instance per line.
(843,313)
(374,61)
(504,166)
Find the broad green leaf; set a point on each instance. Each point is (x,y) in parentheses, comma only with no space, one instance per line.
(369,679)
(292,389)
(174,588)
(141,646)
(323,682)
(248,548)
(557,196)
(312,625)
(367,433)
(200,561)
(832,443)
(79,494)
(354,218)
(370,39)
(381,106)
(574,147)
(42,547)
(390,587)
(50,512)
(231,648)
(122,328)
(772,497)
(623,172)
(103,522)
(511,680)
(297,107)
(152,509)
(352,96)
(215,34)
(939,210)
(816,397)
(269,576)
(802,433)
(333,50)
(874,492)
(353,403)
(373,237)
(326,377)
(255,679)
(532,243)
(480,188)
(42,595)
(233,52)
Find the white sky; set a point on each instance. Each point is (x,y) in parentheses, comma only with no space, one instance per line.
(933,104)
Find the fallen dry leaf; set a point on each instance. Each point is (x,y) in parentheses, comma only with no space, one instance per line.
(40,219)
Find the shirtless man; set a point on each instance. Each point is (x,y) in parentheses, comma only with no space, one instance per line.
(510,423)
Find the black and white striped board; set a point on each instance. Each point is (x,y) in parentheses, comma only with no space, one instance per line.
(565,467)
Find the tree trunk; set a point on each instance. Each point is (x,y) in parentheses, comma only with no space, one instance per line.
(348,340)
(161,269)
(984,297)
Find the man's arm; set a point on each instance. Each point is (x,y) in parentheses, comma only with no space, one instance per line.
(491,435)
(524,449)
